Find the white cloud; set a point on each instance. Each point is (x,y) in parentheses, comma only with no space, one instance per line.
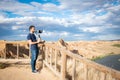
(107,37)
(80,5)
(62,34)
(8,6)
(114,8)
(55,34)
(93,29)
(15,27)
(52,21)
(50,7)
(87,15)
(22,35)
(36,4)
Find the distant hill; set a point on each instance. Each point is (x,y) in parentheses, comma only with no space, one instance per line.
(115,40)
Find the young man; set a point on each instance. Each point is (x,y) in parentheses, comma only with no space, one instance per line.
(33,43)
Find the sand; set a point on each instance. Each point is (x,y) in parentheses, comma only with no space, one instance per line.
(22,73)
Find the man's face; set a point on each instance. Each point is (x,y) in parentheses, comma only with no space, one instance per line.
(32,29)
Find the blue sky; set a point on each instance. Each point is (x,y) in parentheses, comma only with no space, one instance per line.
(71,20)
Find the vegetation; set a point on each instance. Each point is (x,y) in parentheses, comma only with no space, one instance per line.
(4,65)
(102,56)
(97,58)
(116,45)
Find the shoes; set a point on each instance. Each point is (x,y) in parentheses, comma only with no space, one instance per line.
(35,71)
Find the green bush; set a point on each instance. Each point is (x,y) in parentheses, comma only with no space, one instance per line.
(102,56)
(97,58)
(116,45)
(3,65)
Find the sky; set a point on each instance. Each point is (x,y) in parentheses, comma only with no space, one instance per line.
(71,20)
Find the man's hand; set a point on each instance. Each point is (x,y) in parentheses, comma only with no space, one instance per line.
(38,40)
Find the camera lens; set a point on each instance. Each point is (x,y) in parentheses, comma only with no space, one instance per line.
(39,31)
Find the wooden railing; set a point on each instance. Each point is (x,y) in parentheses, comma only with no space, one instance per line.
(13,48)
(67,65)
(16,48)
(59,61)
(3,49)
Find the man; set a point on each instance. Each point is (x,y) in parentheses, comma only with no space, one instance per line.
(33,43)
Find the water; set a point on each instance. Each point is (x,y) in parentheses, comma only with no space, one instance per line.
(112,61)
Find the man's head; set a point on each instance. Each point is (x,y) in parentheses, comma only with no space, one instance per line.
(32,28)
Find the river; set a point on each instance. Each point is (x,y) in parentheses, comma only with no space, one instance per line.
(112,61)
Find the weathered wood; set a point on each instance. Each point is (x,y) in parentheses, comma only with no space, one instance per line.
(63,67)
(51,57)
(91,64)
(52,69)
(29,51)
(3,48)
(73,69)
(46,54)
(17,51)
(102,76)
(104,73)
(5,54)
(85,72)
(55,60)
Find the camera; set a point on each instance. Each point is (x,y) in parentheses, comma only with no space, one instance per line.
(38,31)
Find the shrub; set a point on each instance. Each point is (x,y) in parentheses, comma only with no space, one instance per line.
(116,45)
(3,65)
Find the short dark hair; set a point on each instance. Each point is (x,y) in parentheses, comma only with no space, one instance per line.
(31,27)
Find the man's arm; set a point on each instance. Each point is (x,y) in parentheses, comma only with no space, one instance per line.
(30,42)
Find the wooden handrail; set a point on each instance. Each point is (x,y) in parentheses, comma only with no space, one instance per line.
(56,60)
(87,64)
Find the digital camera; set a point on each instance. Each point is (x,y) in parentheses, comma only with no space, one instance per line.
(38,31)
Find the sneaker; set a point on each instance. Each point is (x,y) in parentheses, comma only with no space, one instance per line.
(35,71)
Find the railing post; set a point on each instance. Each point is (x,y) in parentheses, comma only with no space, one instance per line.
(50,57)
(29,51)
(5,50)
(46,54)
(74,69)
(63,66)
(55,60)
(86,72)
(17,50)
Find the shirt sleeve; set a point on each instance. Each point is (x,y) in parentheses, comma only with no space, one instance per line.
(28,37)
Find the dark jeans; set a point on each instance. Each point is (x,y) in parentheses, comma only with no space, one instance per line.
(34,55)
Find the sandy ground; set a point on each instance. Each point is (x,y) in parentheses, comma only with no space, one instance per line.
(23,72)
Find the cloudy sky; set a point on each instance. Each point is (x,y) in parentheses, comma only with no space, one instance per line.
(66,19)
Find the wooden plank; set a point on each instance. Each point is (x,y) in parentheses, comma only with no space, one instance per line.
(55,60)
(102,76)
(73,69)
(15,60)
(29,51)
(92,64)
(63,67)
(46,54)
(3,48)
(50,57)
(85,72)
(5,54)
(52,69)
(17,51)
(101,68)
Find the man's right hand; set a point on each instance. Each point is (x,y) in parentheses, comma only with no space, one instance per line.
(38,41)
